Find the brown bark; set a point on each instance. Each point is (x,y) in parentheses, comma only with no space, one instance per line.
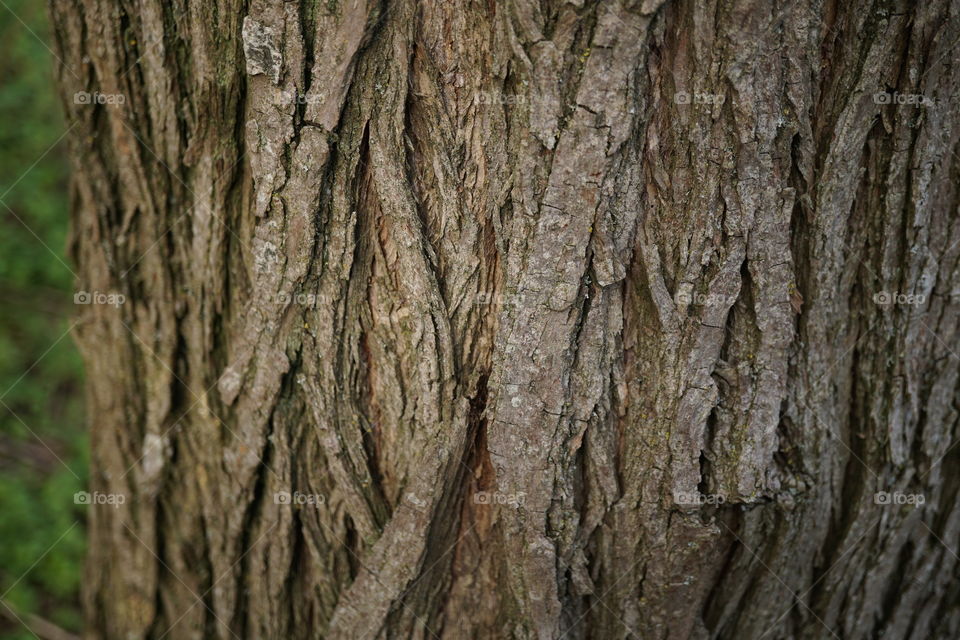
(503,284)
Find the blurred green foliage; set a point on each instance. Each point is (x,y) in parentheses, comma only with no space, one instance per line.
(42,437)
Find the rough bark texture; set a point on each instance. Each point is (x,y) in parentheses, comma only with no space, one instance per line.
(581,258)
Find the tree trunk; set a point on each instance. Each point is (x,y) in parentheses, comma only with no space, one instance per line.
(515,319)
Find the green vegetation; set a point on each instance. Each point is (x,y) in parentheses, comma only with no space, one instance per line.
(42,437)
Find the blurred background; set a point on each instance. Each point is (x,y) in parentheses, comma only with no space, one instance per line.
(42,436)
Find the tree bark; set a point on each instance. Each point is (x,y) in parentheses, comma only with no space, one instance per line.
(513,319)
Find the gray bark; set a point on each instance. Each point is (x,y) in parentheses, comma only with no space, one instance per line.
(584,319)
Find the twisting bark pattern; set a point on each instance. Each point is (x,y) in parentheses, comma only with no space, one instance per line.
(582,319)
